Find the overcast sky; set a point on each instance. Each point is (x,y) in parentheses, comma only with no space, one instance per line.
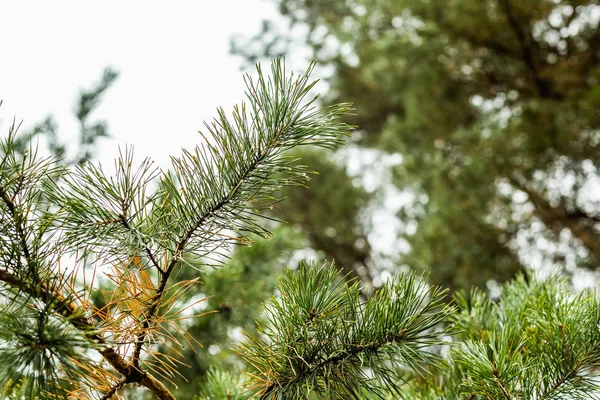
(173,59)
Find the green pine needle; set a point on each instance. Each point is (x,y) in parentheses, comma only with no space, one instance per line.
(320,337)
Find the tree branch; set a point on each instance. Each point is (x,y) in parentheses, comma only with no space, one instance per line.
(16,216)
(76,317)
(108,395)
(498,382)
(123,221)
(478,41)
(40,290)
(155,304)
(526,42)
(352,351)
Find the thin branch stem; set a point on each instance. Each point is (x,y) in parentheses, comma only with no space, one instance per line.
(149,253)
(350,352)
(498,382)
(17,218)
(76,317)
(153,309)
(114,389)
(526,43)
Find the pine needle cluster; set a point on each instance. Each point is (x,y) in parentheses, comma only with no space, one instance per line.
(320,337)
(540,341)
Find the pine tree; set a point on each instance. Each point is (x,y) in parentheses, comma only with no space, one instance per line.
(91,260)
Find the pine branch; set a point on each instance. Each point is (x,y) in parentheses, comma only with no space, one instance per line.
(218,188)
(77,318)
(113,390)
(246,156)
(223,385)
(146,249)
(319,336)
(538,341)
(17,219)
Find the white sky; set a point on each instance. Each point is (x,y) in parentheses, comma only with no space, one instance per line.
(173,59)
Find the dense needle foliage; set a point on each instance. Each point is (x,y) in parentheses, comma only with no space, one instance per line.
(96,265)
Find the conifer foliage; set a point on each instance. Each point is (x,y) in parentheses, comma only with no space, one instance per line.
(97,269)
(90,259)
(90,262)
(321,337)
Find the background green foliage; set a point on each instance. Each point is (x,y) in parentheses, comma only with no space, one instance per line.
(493,107)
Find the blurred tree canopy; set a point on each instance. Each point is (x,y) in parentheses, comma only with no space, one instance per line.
(494,108)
